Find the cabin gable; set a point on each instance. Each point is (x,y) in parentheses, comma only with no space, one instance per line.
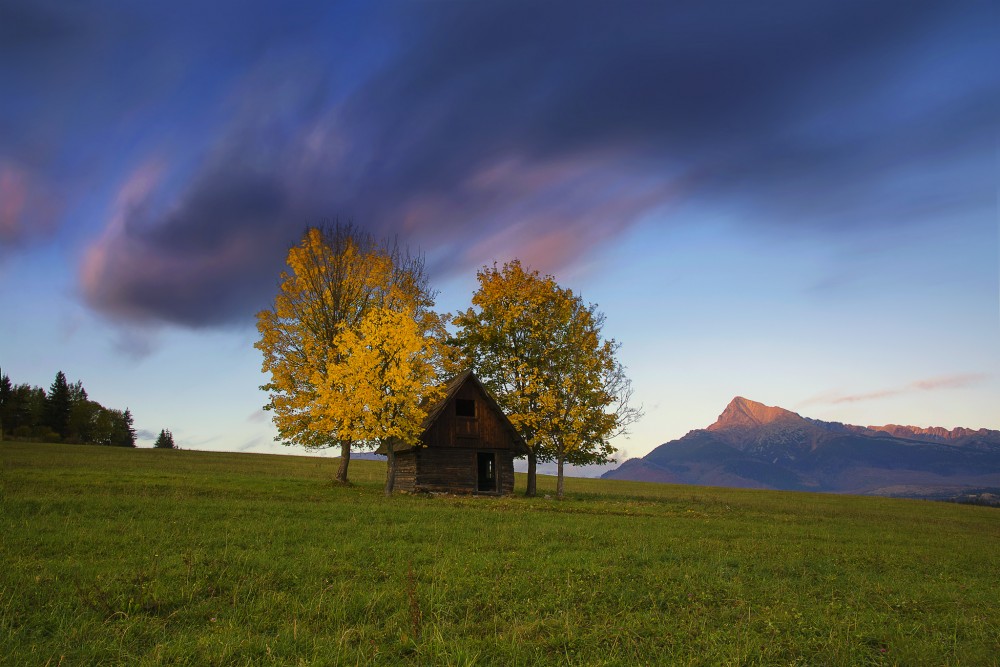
(470,419)
(467,446)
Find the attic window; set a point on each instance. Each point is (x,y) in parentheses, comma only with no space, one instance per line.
(465,407)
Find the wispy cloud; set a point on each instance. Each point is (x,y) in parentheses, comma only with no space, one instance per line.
(136,342)
(145,434)
(949,382)
(258,416)
(944,382)
(251,444)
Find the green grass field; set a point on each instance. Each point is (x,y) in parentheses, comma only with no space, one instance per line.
(143,557)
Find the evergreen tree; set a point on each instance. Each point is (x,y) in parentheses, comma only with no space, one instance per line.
(6,405)
(57,406)
(77,392)
(128,433)
(81,414)
(165,440)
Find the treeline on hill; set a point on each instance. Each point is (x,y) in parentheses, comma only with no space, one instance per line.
(62,414)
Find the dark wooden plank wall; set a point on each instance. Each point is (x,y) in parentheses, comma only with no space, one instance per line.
(453,469)
(406,471)
(485,431)
(505,464)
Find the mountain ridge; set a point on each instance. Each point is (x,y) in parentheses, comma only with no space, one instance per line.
(753,445)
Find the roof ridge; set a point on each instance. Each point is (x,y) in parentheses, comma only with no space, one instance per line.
(451,388)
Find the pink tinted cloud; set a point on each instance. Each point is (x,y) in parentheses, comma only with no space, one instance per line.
(203,259)
(13,195)
(949,381)
(28,207)
(111,255)
(956,381)
(549,214)
(547,249)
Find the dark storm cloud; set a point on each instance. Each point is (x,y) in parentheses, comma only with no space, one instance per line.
(88,86)
(209,252)
(714,90)
(543,129)
(29,29)
(208,262)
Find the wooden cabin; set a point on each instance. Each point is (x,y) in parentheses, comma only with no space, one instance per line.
(467,445)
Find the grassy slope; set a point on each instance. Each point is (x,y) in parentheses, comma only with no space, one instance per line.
(149,557)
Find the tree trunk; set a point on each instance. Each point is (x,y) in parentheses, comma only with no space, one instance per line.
(345,460)
(532,462)
(390,470)
(559,480)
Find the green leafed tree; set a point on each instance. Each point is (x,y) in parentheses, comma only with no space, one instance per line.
(538,348)
(587,396)
(115,428)
(29,409)
(165,440)
(336,277)
(104,425)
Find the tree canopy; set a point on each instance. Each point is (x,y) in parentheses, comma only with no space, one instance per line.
(538,348)
(388,374)
(344,297)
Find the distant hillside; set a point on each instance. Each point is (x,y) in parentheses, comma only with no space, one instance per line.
(757,446)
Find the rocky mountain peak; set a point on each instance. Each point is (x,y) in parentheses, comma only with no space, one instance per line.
(753,445)
(743,413)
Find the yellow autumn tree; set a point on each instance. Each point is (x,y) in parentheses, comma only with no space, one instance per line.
(336,277)
(538,348)
(388,373)
(503,337)
(586,399)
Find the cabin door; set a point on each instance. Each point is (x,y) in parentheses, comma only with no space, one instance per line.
(486,477)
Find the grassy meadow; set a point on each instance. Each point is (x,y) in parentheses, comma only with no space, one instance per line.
(149,557)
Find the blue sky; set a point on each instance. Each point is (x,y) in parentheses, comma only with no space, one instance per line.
(791,201)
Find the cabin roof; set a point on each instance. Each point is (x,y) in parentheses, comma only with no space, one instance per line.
(451,388)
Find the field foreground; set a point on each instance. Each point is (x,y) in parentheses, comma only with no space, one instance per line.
(143,557)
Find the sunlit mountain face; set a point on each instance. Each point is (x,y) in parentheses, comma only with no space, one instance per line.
(756,446)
